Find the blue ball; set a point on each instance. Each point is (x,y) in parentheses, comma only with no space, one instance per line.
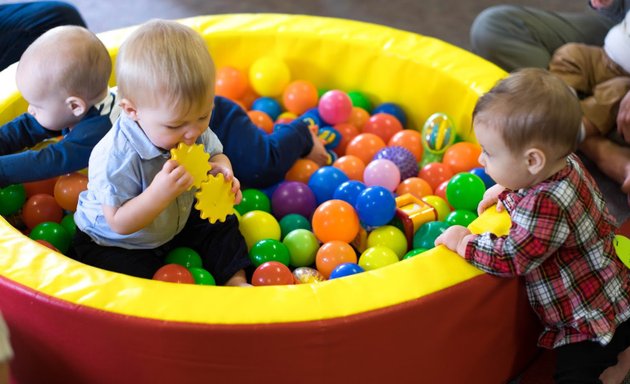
(392,109)
(268,105)
(325,181)
(402,157)
(481,173)
(375,206)
(345,269)
(348,191)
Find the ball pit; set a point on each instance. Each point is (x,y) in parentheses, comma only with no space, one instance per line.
(421,318)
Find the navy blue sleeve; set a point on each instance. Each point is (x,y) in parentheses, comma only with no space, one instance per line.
(22,132)
(259,159)
(70,154)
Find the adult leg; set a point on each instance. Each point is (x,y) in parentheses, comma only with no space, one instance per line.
(22,23)
(515,36)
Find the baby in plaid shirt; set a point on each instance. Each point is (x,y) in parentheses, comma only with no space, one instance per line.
(561,237)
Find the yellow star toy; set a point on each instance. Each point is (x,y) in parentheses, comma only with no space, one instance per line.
(215,199)
(194,159)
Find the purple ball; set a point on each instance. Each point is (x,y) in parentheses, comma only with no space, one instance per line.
(293,197)
(402,157)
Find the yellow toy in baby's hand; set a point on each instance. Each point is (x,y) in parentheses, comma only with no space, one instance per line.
(215,199)
(194,159)
(622,246)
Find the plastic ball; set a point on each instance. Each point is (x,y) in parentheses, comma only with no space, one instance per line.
(349,191)
(481,173)
(439,204)
(347,132)
(269,76)
(465,191)
(414,252)
(332,254)
(269,250)
(46,186)
(253,200)
(301,171)
(441,190)
(299,96)
(409,139)
(306,275)
(41,208)
(53,233)
(174,273)
(390,237)
(351,165)
(375,206)
(293,221)
(272,273)
(377,257)
(68,223)
(12,198)
(415,186)
(47,245)
(202,276)
(335,107)
(364,146)
(246,101)
(435,174)
(293,197)
(67,190)
(427,233)
(392,109)
(359,99)
(460,217)
(302,246)
(184,256)
(268,105)
(462,156)
(230,82)
(325,181)
(383,125)
(261,120)
(335,220)
(358,117)
(402,157)
(258,225)
(345,269)
(438,133)
(285,118)
(382,172)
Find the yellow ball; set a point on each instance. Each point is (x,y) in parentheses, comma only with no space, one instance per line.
(390,237)
(258,225)
(439,204)
(377,257)
(269,76)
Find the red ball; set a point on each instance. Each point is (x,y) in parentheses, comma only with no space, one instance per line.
(174,273)
(67,190)
(348,132)
(39,209)
(272,273)
(42,186)
(435,174)
(383,125)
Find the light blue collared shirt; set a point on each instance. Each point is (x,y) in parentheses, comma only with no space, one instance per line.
(122,165)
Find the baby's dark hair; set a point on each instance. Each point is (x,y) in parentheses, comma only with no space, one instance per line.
(532,107)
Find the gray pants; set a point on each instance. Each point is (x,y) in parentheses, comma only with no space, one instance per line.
(515,37)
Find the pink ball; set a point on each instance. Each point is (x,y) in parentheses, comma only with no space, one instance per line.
(335,107)
(382,172)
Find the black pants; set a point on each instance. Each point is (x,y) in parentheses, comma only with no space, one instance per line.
(583,362)
(221,246)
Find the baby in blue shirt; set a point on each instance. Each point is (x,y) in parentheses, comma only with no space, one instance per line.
(139,202)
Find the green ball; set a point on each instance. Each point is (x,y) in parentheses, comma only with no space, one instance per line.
(414,252)
(320,92)
(293,221)
(460,217)
(12,198)
(54,233)
(68,223)
(269,250)
(201,276)
(425,235)
(253,200)
(359,99)
(464,191)
(303,246)
(184,256)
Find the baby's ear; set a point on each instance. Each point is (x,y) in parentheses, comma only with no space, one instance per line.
(129,108)
(77,105)
(536,160)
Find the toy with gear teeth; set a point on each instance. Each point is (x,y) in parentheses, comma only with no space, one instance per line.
(215,199)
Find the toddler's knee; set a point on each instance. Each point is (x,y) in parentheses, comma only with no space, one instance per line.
(490,25)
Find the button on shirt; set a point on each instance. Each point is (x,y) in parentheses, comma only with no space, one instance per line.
(122,166)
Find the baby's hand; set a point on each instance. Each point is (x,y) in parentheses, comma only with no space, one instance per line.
(172,180)
(318,153)
(454,238)
(491,197)
(599,4)
(228,175)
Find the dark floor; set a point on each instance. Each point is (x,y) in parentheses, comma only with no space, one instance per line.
(448,20)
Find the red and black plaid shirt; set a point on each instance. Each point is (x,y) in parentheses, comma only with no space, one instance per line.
(561,241)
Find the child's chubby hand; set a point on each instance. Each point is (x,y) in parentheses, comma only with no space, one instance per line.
(490,198)
(455,238)
(172,180)
(228,175)
(318,153)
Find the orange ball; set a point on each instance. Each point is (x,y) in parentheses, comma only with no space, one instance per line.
(348,132)
(248,98)
(352,166)
(462,156)
(42,186)
(333,253)
(299,96)
(416,186)
(364,146)
(435,174)
(174,273)
(231,83)
(68,188)
(41,208)
(409,139)
(261,120)
(301,170)
(384,125)
(358,117)
(335,220)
